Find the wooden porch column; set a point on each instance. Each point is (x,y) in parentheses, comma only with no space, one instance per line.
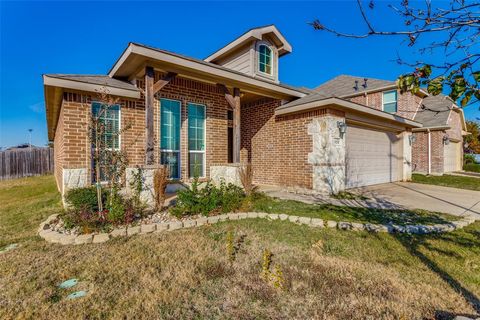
(149,131)
(236,126)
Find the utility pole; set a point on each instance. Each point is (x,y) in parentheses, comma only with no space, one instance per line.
(30,138)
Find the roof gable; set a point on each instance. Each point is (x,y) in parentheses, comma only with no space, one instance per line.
(253,34)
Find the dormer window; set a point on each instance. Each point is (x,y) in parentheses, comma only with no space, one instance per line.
(265,59)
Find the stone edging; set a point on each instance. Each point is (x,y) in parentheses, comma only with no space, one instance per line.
(52,236)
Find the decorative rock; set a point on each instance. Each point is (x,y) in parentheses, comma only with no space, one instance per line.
(119,232)
(84,238)
(175,225)
(262,215)
(201,221)
(317,223)
(189,223)
(344,225)
(67,239)
(393,228)
(242,215)
(304,220)
(161,227)
(273,216)
(357,226)
(133,230)
(283,217)
(252,215)
(232,216)
(148,228)
(101,237)
(51,236)
(223,217)
(331,224)
(212,220)
(293,219)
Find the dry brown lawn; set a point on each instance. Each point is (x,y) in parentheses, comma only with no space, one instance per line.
(186,274)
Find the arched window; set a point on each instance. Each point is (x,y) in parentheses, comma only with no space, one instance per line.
(265,59)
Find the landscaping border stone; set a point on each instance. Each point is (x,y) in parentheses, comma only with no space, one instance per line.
(46,231)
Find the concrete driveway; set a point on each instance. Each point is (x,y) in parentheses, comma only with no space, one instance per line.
(458,202)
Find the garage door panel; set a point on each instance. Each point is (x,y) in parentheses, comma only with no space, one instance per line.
(372,157)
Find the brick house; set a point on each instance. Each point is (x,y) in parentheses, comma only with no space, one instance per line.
(206,116)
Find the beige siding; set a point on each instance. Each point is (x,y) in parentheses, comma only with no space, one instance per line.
(239,61)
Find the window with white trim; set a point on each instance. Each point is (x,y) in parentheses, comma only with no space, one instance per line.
(107,116)
(390,101)
(170,111)
(196,139)
(265,59)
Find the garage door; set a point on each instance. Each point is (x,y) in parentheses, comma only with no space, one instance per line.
(452,156)
(372,157)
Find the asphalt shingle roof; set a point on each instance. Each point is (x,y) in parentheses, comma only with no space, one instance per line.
(96,79)
(344,85)
(434,111)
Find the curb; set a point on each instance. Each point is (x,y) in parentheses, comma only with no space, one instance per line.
(52,236)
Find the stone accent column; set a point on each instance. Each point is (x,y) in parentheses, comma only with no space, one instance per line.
(407,156)
(74,178)
(328,154)
(148,193)
(228,173)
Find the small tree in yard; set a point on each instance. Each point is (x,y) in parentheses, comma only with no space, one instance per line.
(456,25)
(109,162)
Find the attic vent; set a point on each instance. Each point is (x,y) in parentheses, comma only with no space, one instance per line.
(355,87)
(364,85)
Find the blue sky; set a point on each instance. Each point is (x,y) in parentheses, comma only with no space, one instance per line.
(87,38)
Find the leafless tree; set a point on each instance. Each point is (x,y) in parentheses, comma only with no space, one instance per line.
(456,25)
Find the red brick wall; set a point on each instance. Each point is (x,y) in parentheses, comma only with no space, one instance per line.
(277,147)
(72,148)
(420,152)
(407,103)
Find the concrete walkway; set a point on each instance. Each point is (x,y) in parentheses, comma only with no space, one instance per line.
(400,195)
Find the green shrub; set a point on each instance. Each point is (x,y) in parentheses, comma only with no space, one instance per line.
(468,158)
(116,209)
(208,199)
(84,198)
(472,167)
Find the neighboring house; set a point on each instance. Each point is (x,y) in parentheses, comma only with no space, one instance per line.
(206,116)
(437,147)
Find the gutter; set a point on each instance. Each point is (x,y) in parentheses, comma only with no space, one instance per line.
(435,128)
(429,152)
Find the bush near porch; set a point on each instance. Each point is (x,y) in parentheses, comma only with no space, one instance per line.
(327,273)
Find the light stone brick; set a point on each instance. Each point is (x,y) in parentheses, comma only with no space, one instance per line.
(317,223)
(66,239)
(358,226)
(262,215)
(293,219)
(242,215)
(148,228)
(283,216)
(133,230)
(273,216)
(253,214)
(304,220)
(189,223)
(223,217)
(201,221)
(175,225)
(232,216)
(119,232)
(344,225)
(101,237)
(161,227)
(84,238)
(213,219)
(332,224)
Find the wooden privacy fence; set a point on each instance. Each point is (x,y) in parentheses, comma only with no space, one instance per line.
(25,162)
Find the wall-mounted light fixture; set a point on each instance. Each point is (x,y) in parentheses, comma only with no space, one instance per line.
(342,128)
(446,139)
(411,139)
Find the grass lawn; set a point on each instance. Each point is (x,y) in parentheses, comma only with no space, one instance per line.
(327,273)
(449,181)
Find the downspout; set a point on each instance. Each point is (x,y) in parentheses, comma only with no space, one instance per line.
(429,152)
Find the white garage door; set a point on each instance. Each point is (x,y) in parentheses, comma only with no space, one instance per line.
(372,157)
(452,157)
